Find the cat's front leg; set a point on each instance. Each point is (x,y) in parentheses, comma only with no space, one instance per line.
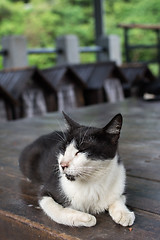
(120,213)
(66,216)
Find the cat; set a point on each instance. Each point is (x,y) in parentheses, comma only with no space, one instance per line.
(79,173)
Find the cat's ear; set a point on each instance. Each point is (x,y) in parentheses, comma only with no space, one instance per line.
(114,127)
(71,123)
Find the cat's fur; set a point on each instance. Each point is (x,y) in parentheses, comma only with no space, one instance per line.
(79,173)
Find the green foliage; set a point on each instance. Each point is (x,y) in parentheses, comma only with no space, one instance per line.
(41,21)
(134,11)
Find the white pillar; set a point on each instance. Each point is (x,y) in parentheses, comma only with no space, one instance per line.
(114,49)
(111,44)
(69,47)
(16,47)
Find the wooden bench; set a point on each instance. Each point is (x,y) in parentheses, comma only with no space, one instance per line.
(20,216)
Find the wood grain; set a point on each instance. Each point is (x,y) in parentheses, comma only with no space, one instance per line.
(20,216)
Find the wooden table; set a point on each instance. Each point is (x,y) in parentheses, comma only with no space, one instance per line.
(20,216)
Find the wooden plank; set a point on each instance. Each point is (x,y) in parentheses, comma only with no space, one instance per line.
(141,161)
(17,185)
(18,197)
(139,143)
(143,194)
(14,228)
(20,216)
(141,26)
(32,222)
(139,146)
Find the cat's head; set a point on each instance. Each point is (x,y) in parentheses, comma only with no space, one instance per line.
(87,151)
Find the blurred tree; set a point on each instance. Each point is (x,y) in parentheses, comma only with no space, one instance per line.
(41,21)
(134,11)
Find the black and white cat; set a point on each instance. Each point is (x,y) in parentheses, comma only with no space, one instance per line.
(79,173)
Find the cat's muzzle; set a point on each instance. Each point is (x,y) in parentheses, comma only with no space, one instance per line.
(70,177)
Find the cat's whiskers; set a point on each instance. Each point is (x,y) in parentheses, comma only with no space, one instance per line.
(58,140)
(62,138)
(82,139)
(55,168)
(83,176)
(84,136)
(49,137)
(64,135)
(92,168)
(88,172)
(86,175)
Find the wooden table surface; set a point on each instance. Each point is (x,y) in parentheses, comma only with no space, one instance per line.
(20,216)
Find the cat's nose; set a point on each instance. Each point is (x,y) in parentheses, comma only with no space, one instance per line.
(64,165)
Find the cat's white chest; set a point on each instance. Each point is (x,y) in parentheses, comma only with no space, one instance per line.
(95,196)
(86,197)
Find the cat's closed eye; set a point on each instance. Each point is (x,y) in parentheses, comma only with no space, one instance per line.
(80,151)
(83,150)
(77,153)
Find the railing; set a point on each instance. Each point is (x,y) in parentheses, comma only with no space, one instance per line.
(3,52)
(92,49)
(67,50)
(128,47)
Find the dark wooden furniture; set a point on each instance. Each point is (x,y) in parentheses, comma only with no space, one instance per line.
(139,79)
(20,216)
(15,83)
(97,76)
(68,87)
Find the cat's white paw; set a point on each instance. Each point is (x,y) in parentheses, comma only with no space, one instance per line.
(124,218)
(66,216)
(83,219)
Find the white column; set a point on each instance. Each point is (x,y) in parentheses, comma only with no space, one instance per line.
(69,47)
(113,49)
(16,47)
